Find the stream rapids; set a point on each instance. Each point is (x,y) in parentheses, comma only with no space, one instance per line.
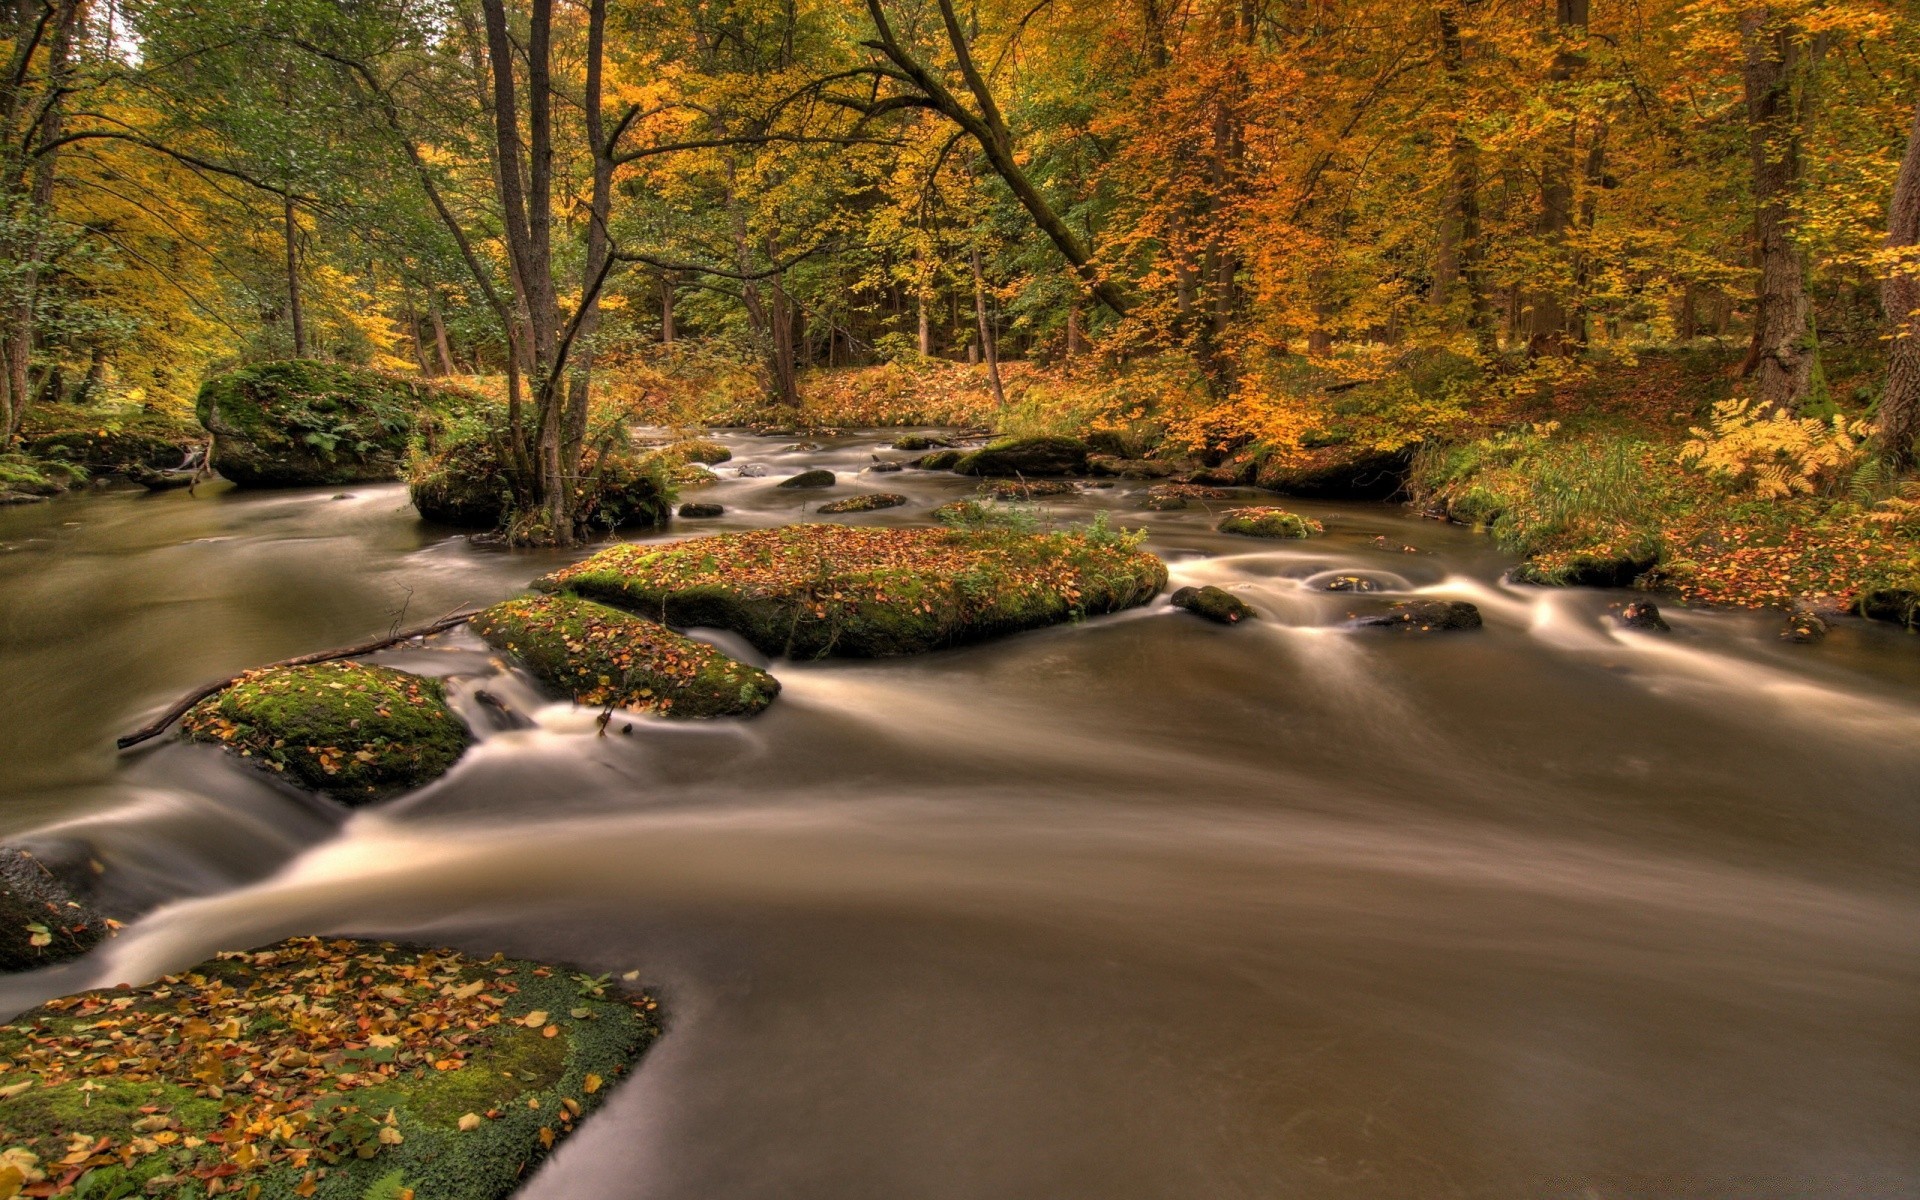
(1137,907)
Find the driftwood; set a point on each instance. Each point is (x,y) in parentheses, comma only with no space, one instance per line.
(179,709)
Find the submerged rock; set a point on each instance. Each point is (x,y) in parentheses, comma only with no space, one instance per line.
(885,467)
(1350,583)
(354,731)
(1644,615)
(41,921)
(295,423)
(1803,625)
(817,478)
(818,589)
(1035,456)
(939,460)
(866,503)
(1025,489)
(1215,604)
(701,510)
(1424,616)
(603,657)
(1269,523)
(457,1075)
(752,471)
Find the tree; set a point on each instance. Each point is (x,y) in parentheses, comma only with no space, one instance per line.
(1900,297)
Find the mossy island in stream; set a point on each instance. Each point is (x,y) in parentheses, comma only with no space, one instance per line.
(1262,522)
(601,656)
(329,1070)
(299,422)
(813,590)
(455,475)
(354,731)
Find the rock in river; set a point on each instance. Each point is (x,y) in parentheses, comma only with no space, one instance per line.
(1215,604)
(813,590)
(40,920)
(1269,523)
(692,509)
(1424,616)
(817,478)
(1035,456)
(601,656)
(381,1063)
(866,503)
(294,423)
(354,731)
(1644,615)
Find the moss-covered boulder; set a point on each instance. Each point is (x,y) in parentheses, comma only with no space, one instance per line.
(299,422)
(1215,604)
(813,590)
(817,478)
(329,1070)
(41,921)
(1338,472)
(1263,522)
(1599,567)
(461,484)
(699,450)
(110,440)
(1025,489)
(457,479)
(25,479)
(914,441)
(354,731)
(1034,456)
(939,460)
(870,502)
(601,656)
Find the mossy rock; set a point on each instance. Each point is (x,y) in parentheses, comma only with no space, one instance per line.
(939,460)
(1605,569)
(696,510)
(333,1070)
(286,424)
(1900,606)
(354,731)
(41,921)
(1337,473)
(813,590)
(817,478)
(870,502)
(1128,468)
(1025,489)
(1269,523)
(24,479)
(699,450)
(603,657)
(1032,457)
(1215,604)
(460,485)
(459,480)
(914,441)
(106,440)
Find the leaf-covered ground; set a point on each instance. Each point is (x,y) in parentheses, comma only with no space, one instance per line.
(811,590)
(601,656)
(346,728)
(311,1069)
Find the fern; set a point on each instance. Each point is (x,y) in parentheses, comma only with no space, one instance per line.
(1775,454)
(391,1186)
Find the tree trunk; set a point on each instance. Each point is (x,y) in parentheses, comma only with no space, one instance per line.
(1779,358)
(1548,325)
(926,327)
(1460,261)
(440,343)
(1900,297)
(987,347)
(1076,334)
(666,309)
(295,317)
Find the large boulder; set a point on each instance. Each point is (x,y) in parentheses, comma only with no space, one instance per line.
(603,657)
(354,731)
(337,1070)
(1337,473)
(456,478)
(813,590)
(294,423)
(41,921)
(1028,457)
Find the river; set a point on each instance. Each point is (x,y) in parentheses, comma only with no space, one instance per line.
(1140,907)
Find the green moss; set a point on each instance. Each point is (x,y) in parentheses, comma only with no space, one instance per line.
(869,502)
(104,439)
(601,656)
(1269,523)
(940,460)
(303,422)
(22,475)
(812,590)
(331,1104)
(699,450)
(1031,456)
(354,731)
(455,477)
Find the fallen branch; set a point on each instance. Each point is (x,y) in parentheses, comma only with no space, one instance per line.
(159,724)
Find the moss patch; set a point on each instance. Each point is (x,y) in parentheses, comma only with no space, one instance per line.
(104,439)
(1032,456)
(699,450)
(24,478)
(313,1069)
(455,477)
(354,731)
(302,422)
(870,502)
(601,656)
(1269,523)
(812,590)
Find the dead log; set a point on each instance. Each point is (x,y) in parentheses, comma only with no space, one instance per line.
(179,709)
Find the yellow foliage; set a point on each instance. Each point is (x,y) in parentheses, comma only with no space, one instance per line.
(1774,453)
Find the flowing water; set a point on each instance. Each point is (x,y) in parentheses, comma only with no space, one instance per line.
(1141,907)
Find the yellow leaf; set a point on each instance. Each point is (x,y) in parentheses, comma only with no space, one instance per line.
(469,1122)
